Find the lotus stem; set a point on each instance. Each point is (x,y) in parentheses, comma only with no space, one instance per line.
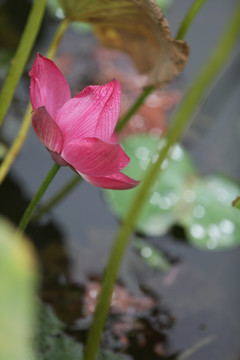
(134,108)
(19,61)
(43,187)
(58,197)
(190,16)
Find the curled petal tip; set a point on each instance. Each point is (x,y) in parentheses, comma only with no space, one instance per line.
(34,70)
(48,87)
(117,181)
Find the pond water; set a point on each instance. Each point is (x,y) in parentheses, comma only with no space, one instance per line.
(195,313)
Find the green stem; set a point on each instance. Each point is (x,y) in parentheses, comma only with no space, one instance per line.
(181,119)
(57,38)
(134,108)
(43,187)
(59,196)
(190,16)
(19,61)
(23,131)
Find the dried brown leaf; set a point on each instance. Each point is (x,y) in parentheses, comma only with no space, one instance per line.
(137,27)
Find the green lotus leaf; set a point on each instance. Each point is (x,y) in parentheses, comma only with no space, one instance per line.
(210,220)
(160,210)
(152,256)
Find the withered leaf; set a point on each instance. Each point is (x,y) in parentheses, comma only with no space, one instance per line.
(137,27)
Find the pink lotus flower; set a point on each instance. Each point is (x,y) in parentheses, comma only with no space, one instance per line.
(79,131)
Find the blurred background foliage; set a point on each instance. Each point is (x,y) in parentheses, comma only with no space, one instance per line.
(200,203)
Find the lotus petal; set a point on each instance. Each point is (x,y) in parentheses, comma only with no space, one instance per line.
(48,87)
(47,130)
(117,181)
(94,157)
(92,113)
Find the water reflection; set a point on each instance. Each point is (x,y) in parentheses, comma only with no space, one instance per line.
(198,231)
(146,252)
(226,226)
(177,153)
(199,211)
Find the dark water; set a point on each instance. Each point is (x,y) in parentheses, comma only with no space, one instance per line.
(200,293)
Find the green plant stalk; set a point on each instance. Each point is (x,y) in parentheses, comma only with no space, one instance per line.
(57,38)
(23,131)
(43,187)
(55,199)
(148,90)
(134,108)
(180,121)
(190,16)
(19,61)
(14,149)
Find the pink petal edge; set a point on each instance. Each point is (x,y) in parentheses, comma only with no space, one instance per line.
(114,138)
(47,130)
(92,113)
(94,157)
(48,86)
(117,181)
(109,116)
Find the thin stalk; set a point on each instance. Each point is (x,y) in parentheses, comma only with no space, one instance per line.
(19,61)
(181,119)
(57,38)
(59,196)
(17,144)
(23,131)
(190,16)
(133,109)
(43,187)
